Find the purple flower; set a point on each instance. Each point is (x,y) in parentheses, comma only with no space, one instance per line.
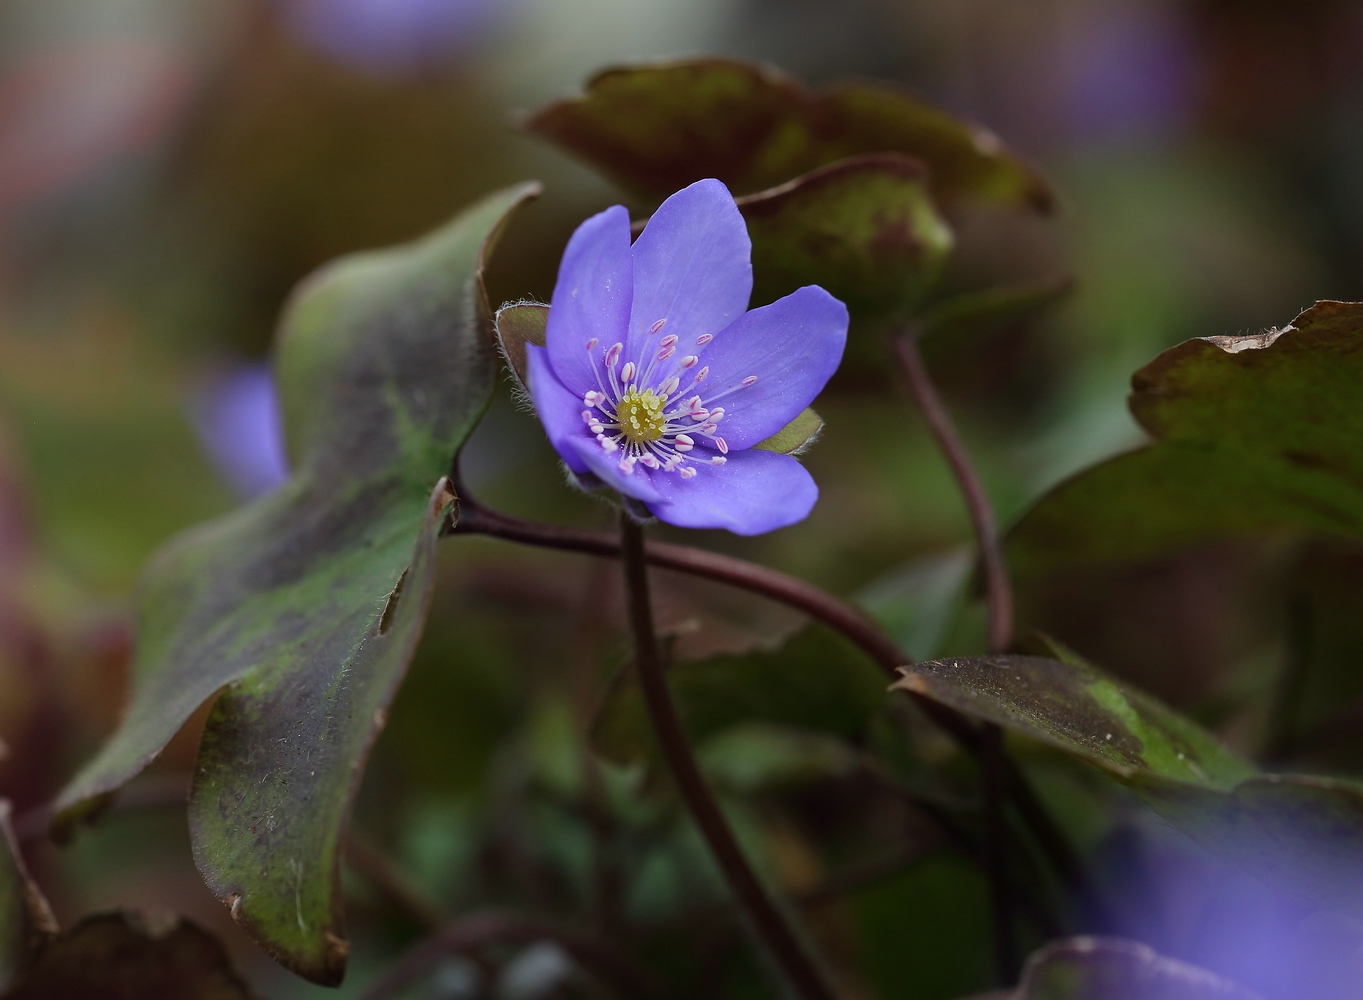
(657,381)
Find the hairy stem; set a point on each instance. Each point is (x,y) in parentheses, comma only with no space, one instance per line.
(771,925)
(1000,602)
(486,930)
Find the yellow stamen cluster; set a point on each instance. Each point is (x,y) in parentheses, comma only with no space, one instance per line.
(641,415)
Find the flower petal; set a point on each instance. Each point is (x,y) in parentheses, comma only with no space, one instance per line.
(591,298)
(692,267)
(792,346)
(638,484)
(559,410)
(753,492)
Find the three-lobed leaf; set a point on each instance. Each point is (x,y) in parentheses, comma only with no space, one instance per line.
(1252,434)
(300,611)
(654,128)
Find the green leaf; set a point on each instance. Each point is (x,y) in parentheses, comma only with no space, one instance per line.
(656,127)
(817,681)
(1303,836)
(301,610)
(1252,434)
(1089,968)
(752,757)
(27,925)
(917,602)
(796,436)
(517,325)
(127,956)
(866,229)
(1081,710)
(986,312)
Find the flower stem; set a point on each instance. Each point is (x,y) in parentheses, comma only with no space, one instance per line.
(771,925)
(999,589)
(1000,600)
(474,518)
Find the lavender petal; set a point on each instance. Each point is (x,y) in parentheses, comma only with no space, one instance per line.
(591,299)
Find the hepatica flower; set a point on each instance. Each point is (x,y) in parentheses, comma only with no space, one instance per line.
(658,381)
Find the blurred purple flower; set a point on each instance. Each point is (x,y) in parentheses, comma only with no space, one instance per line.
(1130,71)
(656,381)
(237,419)
(391,35)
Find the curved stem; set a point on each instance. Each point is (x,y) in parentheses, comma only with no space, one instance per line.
(488,929)
(475,519)
(770,924)
(999,588)
(993,761)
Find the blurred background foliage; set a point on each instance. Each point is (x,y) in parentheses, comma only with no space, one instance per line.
(168,171)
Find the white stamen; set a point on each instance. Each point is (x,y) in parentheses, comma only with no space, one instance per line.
(704,339)
(627,373)
(717,414)
(718,460)
(700,416)
(688,472)
(657,326)
(709,430)
(668,341)
(594,398)
(750,380)
(627,464)
(700,375)
(613,355)
(591,343)
(722,445)
(607,445)
(669,387)
(666,352)
(587,417)
(684,442)
(689,361)
(649,461)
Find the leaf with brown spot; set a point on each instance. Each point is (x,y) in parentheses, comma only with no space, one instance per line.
(300,611)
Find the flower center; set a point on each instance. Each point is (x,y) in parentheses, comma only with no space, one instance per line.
(641,415)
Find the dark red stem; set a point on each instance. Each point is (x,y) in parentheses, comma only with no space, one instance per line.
(475,519)
(994,763)
(768,921)
(999,589)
